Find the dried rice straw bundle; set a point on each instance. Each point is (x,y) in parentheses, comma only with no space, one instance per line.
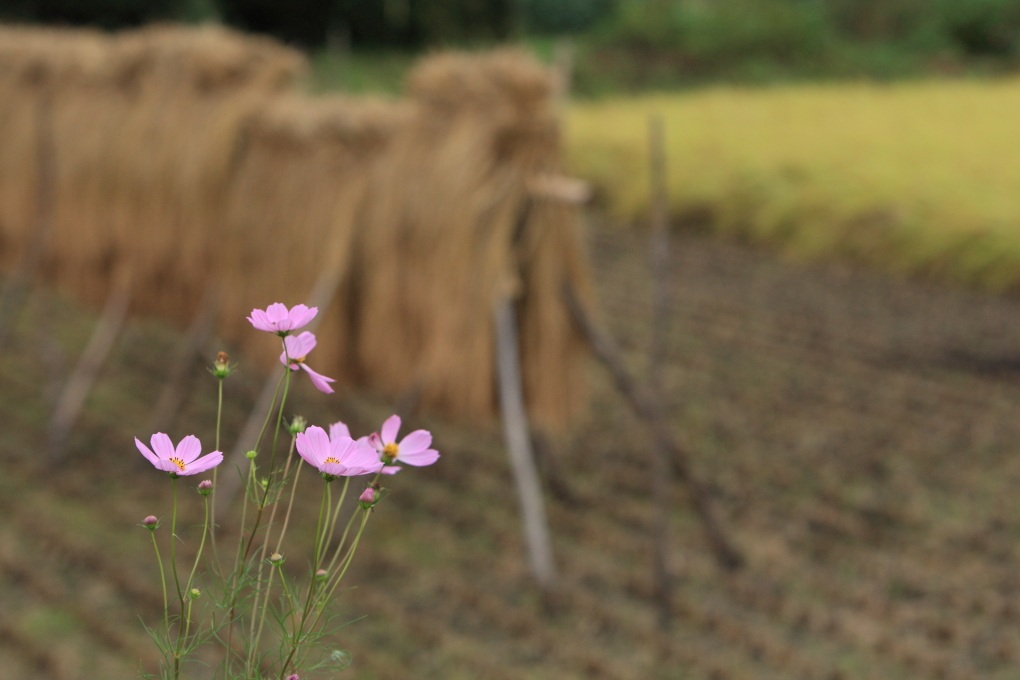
(451,232)
(204,60)
(34,70)
(294,206)
(146,126)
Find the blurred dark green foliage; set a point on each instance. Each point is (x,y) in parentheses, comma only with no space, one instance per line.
(664,43)
(621,44)
(106,13)
(319,23)
(558,17)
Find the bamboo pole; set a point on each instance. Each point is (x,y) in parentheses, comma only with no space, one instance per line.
(518,445)
(646,407)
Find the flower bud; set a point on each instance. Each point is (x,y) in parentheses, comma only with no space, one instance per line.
(250,455)
(297,425)
(276,559)
(293,676)
(321,574)
(195,593)
(367,498)
(205,487)
(151,523)
(221,367)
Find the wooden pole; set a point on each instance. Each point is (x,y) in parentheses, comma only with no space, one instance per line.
(518,444)
(662,480)
(646,407)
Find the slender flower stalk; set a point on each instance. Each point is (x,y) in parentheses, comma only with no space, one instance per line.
(221,370)
(151,523)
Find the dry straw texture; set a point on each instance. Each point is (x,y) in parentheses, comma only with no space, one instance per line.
(462,231)
(144,127)
(188,163)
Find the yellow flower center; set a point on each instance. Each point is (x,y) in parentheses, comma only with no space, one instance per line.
(178,462)
(391,450)
(331,459)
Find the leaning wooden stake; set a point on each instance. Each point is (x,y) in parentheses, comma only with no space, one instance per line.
(647,408)
(228,485)
(80,384)
(518,443)
(662,471)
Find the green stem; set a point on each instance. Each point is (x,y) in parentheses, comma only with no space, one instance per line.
(330,589)
(194,568)
(340,544)
(162,581)
(201,544)
(212,529)
(259,615)
(336,512)
(272,464)
(177,579)
(348,558)
(290,506)
(295,640)
(173,542)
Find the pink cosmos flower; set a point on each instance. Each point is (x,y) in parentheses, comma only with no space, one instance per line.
(298,347)
(336,456)
(339,428)
(411,450)
(179,461)
(276,318)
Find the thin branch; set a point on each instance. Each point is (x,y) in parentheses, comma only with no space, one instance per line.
(646,407)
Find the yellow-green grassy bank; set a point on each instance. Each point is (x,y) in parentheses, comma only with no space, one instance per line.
(922,178)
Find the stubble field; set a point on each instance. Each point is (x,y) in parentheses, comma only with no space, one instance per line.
(860,433)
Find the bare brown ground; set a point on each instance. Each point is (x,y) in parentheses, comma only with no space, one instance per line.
(861,433)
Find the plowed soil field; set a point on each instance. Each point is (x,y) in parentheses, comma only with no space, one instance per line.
(860,432)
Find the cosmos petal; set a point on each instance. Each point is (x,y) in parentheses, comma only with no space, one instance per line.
(321,382)
(206,462)
(390,428)
(313,445)
(419,458)
(189,448)
(144,450)
(162,446)
(419,440)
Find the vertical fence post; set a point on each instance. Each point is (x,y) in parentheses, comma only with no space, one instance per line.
(662,477)
(518,444)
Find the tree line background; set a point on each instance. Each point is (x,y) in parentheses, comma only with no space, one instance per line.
(628,43)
